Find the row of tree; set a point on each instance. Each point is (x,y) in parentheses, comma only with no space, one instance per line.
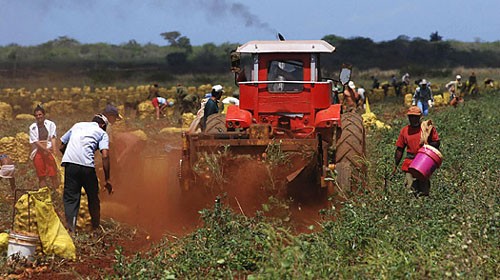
(180,57)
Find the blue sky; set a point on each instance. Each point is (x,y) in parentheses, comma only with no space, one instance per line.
(32,22)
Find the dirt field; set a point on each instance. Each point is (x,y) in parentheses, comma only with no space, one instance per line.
(148,205)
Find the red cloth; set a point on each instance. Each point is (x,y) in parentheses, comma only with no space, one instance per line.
(409,138)
(45,164)
(155,102)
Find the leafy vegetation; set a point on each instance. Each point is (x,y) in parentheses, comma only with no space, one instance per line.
(383,233)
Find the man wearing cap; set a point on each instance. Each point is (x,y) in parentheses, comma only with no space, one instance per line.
(212,106)
(455,88)
(412,137)
(78,146)
(351,97)
(405,82)
(423,97)
(111,113)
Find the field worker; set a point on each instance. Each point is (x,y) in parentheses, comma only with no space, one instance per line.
(195,126)
(361,93)
(190,103)
(412,137)
(405,82)
(351,97)
(455,88)
(406,79)
(160,104)
(472,84)
(42,135)
(180,94)
(7,169)
(153,91)
(375,82)
(78,146)
(212,107)
(423,97)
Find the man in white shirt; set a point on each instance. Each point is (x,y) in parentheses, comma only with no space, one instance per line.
(43,141)
(79,144)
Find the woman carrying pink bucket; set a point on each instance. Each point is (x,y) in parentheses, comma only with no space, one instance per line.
(421,141)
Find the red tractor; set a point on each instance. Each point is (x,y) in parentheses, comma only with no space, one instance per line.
(285,101)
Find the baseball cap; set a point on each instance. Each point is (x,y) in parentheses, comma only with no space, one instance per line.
(423,82)
(112,111)
(414,110)
(217,88)
(351,85)
(103,118)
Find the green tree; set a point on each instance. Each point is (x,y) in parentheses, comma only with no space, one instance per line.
(185,44)
(434,37)
(171,37)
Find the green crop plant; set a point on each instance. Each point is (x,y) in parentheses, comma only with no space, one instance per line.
(386,233)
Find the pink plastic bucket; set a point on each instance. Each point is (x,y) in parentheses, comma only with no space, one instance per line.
(425,162)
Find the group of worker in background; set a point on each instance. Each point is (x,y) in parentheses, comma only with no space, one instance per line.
(185,102)
(422,96)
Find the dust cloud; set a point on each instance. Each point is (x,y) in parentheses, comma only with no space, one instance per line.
(147,194)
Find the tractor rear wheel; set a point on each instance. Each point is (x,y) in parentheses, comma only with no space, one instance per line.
(350,154)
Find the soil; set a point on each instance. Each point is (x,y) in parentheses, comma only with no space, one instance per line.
(148,205)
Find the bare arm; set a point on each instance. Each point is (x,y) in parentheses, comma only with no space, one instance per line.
(53,140)
(62,148)
(105,164)
(398,155)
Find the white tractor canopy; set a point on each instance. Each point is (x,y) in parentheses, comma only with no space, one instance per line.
(292,46)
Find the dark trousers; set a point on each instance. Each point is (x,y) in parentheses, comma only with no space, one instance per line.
(75,177)
(419,187)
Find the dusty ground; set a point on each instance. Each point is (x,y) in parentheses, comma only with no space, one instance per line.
(147,205)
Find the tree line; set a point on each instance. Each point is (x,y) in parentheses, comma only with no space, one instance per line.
(104,62)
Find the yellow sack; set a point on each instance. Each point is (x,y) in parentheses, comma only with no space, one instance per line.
(367,105)
(53,236)
(4,242)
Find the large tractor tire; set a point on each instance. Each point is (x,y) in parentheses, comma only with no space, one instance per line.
(350,162)
(216,124)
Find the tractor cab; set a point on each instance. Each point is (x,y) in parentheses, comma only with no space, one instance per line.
(281,85)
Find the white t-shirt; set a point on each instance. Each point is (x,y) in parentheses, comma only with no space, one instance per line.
(82,140)
(51,129)
(161,100)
